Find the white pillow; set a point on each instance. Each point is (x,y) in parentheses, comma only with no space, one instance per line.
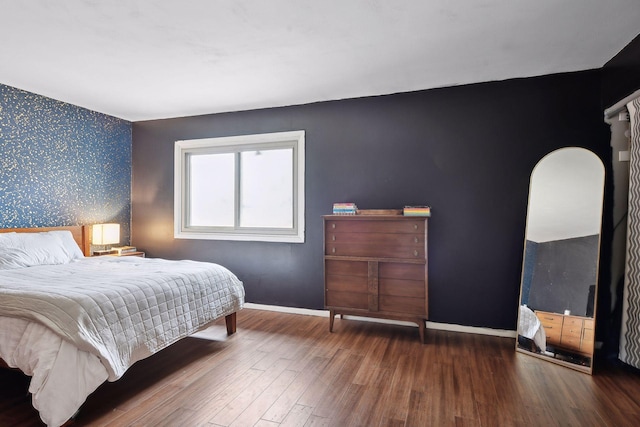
(11,258)
(29,249)
(6,239)
(68,243)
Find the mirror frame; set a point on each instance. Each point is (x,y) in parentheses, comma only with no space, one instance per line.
(519,349)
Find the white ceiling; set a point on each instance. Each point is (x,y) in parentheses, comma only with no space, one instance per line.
(150,59)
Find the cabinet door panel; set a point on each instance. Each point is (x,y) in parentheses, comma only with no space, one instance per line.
(402,288)
(587,339)
(347,283)
(346,268)
(347,300)
(394,270)
(401,305)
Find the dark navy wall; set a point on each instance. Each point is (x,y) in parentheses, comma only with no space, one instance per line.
(61,164)
(621,74)
(467,151)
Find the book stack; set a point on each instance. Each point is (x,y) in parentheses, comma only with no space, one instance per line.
(122,250)
(417,211)
(344,208)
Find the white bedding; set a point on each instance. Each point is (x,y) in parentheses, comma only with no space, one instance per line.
(114,310)
(529,326)
(54,365)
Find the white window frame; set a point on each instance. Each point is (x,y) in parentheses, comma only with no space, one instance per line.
(234,144)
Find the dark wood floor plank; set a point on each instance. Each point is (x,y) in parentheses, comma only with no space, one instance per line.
(334,395)
(397,391)
(288,370)
(297,416)
(210,405)
(244,399)
(254,412)
(312,396)
(374,395)
(289,398)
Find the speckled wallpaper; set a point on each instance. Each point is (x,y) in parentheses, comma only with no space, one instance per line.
(61,164)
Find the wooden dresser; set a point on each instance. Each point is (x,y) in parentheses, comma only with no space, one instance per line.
(376,266)
(573,333)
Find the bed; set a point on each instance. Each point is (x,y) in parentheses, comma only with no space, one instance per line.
(72,322)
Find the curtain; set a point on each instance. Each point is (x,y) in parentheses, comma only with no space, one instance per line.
(630,332)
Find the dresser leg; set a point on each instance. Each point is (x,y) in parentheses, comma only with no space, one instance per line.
(422,326)
(332,315)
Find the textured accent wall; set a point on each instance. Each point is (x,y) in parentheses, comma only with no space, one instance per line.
(61,164)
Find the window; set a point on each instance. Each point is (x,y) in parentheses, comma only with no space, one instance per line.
(247,187)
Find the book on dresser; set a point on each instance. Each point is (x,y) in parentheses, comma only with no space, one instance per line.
(376,266)
(347,208)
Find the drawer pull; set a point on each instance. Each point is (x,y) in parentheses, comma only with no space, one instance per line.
(333,226)
(333,250)
(415,240)
(415,226)
(415,253)
(333,238)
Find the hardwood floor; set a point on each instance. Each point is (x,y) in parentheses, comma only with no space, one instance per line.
(288,370)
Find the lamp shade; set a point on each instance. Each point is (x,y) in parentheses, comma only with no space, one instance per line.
(105,234)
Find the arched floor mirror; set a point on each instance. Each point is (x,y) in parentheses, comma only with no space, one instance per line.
(556,317)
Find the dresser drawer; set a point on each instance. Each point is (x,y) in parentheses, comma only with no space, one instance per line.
(572,322)
(550,319)
(374,251)
(572,328)
(375,226)
(571,333)
(552,324)
(407,239)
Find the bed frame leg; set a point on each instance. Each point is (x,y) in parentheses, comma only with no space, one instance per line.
(230,320)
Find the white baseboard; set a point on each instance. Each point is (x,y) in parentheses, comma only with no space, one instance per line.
(430,325)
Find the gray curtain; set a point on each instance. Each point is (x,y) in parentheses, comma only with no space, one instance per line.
(630,332)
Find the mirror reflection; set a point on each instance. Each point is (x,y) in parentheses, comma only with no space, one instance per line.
(556,318)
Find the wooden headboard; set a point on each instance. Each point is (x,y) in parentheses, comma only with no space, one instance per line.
(80,234)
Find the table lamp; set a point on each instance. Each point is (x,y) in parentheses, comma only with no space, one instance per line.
(104,235)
